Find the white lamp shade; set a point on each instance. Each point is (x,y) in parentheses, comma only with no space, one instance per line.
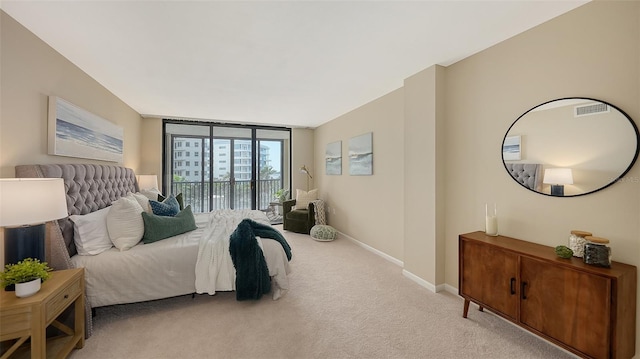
(558,176)
(147,181)
(25,201)
(305,170)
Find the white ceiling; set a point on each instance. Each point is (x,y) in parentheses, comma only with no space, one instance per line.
(292,63)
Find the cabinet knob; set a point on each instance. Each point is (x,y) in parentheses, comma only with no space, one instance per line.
(524,290)
(512,286)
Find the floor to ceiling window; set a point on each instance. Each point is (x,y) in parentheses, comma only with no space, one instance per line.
(219,166)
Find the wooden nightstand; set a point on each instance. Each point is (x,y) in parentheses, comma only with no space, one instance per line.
(21,318)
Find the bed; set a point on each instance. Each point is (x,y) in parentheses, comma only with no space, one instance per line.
(528,175)
(183,264)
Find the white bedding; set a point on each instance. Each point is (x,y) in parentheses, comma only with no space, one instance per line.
(167,268)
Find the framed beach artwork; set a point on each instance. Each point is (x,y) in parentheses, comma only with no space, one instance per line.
(511,148)
(361,155)
(75,132)
(333,158)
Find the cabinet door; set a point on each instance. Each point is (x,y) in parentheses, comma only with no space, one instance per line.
(570,306)
(489,277)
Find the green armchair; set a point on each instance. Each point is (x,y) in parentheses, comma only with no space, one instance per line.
(298,220)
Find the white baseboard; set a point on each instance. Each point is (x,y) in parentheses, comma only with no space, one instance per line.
(451,289)
(406,273)
(420,281)
(373,250)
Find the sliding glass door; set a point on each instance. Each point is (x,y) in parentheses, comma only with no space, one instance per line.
(219,166)
(272,163)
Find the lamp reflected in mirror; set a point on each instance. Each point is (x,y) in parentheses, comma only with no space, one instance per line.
(557,178)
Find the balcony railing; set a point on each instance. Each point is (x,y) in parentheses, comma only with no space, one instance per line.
(223,195)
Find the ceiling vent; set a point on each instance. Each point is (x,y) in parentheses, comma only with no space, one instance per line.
(587,110)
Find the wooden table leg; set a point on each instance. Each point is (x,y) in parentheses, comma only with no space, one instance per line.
(38,335)
(466,308)
(79,319)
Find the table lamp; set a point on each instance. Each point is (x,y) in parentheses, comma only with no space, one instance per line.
(25,205)
(557,178)
(147,181)
(305,170)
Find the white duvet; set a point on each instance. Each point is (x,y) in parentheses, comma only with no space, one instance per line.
(214,267)
(193,262)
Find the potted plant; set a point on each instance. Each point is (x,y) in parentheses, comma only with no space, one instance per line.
(281,195)
(27,275)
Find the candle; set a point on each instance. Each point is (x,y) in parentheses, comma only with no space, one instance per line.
(491,220)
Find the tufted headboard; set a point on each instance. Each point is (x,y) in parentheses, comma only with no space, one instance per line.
(527,174)
(89,188)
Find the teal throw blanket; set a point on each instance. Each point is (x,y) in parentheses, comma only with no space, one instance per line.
(252,274)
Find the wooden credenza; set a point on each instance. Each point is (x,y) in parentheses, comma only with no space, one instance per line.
(589,310)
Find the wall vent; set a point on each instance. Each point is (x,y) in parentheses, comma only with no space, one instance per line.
(587,110)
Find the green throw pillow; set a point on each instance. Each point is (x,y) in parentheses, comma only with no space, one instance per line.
(161,227)
(161,198)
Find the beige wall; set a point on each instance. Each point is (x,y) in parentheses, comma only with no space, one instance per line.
(367,208)
(445,126)
(487,92)
(424,249)
(454,121)
(151,149)
(32,71)
(302,154)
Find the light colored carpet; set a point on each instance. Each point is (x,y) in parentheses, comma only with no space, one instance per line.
(344,302)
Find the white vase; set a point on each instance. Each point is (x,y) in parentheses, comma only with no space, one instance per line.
(28,288)
(491,219)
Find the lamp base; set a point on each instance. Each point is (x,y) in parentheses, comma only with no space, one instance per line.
(23,242)
(557,190)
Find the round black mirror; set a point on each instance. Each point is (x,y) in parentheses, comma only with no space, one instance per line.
(570,147)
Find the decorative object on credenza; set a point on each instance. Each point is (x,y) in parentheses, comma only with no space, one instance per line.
(557,178)
(25,205)
(563,252)
(305,170)
(577,241)
(361,155)
(596,252)
(491,219)
(333,158)
(75,132)
(27,276)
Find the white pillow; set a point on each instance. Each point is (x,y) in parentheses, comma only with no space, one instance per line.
(143,201)
(90,232)
(303,198)
(125,223)
(151,193)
